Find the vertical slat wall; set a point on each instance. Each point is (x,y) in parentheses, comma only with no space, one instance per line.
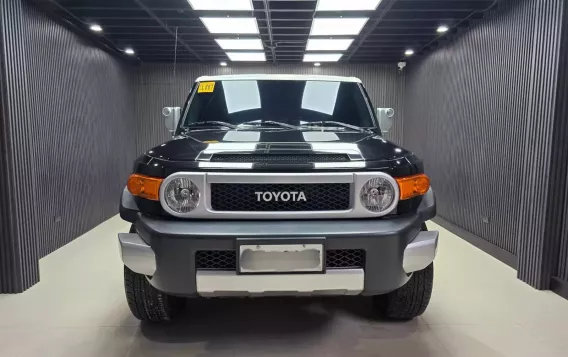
(562,271)
(68,139)
(562,117)
(83,104)
(480,111)
(467,115)
(18,230)
(539,214)
(158,87)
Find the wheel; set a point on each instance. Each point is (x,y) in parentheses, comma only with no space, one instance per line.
(410,300)
(145,301)
(148,303)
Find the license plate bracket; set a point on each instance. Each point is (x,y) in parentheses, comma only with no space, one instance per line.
(280,255)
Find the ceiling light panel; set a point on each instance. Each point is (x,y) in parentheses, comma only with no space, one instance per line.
(316,44)
(236,25)
(227,5)
(240,44)
(337,26)
(347,5)
(96,28)
(246,56)
(322,57)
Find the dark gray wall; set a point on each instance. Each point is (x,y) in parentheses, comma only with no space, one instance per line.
(69,142)
(480,111)
(562,117)
(159,87)
(83,98)
(19,267)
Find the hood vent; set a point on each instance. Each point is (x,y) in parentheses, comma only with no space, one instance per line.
(280,158)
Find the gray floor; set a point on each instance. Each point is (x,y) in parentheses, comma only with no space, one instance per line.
(478,309)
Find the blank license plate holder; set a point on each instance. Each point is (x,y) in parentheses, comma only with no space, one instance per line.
(281,256)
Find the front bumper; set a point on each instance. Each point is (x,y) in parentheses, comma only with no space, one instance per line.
(165,251)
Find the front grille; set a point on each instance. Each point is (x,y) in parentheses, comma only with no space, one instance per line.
(227,259)
(280,158)
(345,258)
(243,197)
(215,260)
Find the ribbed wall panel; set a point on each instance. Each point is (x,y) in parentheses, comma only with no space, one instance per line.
(82,105)
(480,112)
(562,271)
(562,118)
(158,87)
(539,213)
(19,267)
(466,116)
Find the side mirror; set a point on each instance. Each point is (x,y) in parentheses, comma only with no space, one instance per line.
(172,115)
(385,116)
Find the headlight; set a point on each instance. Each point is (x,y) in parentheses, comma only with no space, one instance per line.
(378,194)
(181,195)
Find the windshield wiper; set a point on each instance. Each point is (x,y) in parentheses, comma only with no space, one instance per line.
(210,123)
(337,123)
(260,122)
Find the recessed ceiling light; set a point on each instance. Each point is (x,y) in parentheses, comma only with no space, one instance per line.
(129,51)
(247,56)
(337,26)
(96,28)
(223,64)
(237,25)
(328,44)
(240,44)
(409,52)
(322,57)
(442,29)
(344,5)
(317,64)
(230,5)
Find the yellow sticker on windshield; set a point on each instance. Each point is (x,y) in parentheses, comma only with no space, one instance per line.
(206,87)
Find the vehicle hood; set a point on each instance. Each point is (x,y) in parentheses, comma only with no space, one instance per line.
(191,147)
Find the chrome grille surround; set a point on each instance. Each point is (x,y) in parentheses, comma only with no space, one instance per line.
(203,181)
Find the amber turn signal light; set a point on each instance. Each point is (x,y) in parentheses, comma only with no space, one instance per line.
(412,186)
(144,186)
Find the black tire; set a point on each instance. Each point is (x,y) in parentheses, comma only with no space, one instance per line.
(410,300)
(148,303)
(145,301)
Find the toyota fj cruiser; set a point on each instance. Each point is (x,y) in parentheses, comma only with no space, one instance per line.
(277,185)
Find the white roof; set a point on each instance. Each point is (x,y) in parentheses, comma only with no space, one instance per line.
(277,77)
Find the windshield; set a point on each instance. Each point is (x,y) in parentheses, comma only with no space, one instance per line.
(263,102)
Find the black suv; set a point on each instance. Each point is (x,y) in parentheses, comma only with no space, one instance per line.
(277,185)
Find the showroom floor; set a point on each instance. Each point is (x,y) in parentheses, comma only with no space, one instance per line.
(478,309)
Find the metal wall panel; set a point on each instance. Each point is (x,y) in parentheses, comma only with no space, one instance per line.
(19,267)
(82,101)
(480,111)
(159,86)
